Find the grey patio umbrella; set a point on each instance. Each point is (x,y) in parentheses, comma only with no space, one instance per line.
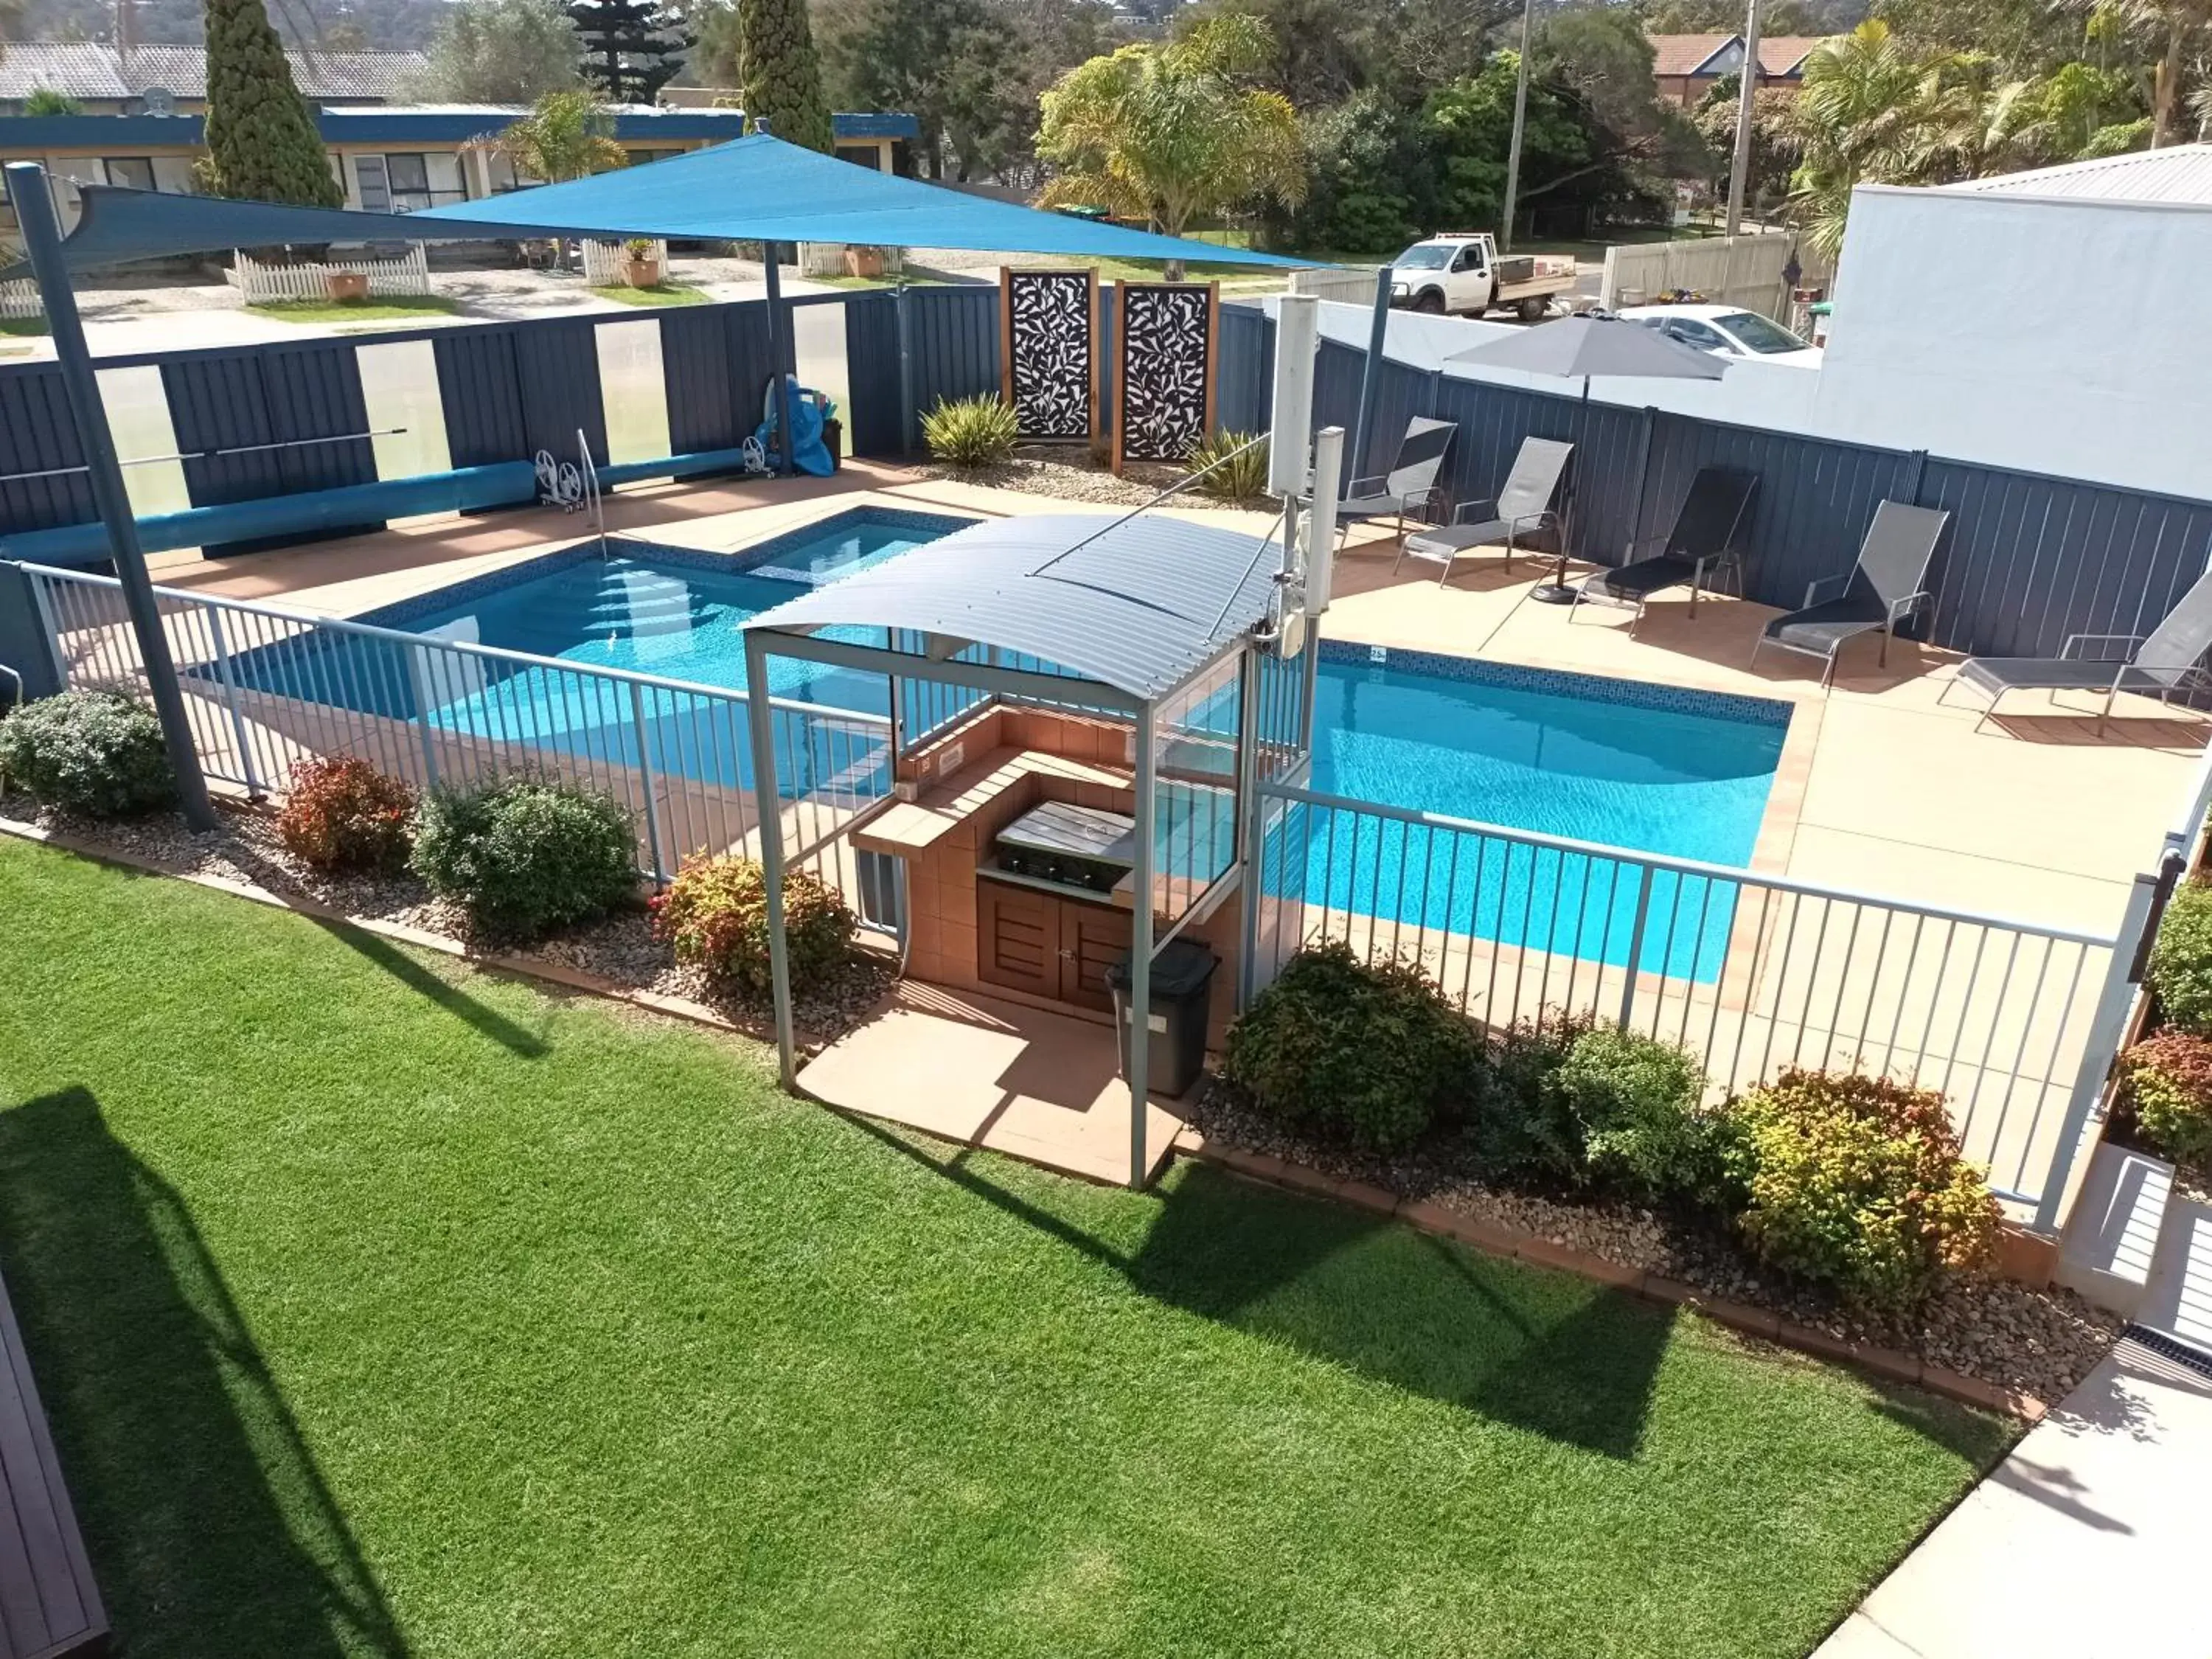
(1585,347)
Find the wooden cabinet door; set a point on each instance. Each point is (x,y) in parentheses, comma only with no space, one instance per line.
(1018,938)
(1092,938)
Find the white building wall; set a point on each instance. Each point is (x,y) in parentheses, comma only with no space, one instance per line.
(2056,336)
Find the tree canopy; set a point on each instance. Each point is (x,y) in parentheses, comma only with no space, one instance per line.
(567,135)
(502,51)
(1177,132)
(262,144)
(632,48)
(765,48)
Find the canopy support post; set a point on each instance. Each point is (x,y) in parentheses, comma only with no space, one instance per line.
(783,355)
(760,724)
(42,242)
(1370,377)
(1137,1048)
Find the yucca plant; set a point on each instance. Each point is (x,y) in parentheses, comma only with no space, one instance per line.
(1229,470)
(973,432)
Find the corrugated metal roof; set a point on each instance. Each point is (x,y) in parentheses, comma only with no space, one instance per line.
(1140,604)
(2181,173)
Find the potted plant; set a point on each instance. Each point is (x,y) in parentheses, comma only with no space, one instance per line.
(640,269)
(345,287)
(864,262)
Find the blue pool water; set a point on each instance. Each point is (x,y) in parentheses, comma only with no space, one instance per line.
(1647,768)
(1679,773)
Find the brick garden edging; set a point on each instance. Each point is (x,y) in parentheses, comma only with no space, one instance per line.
(1495,1238)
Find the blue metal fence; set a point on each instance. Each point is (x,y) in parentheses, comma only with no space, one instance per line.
(2028,560)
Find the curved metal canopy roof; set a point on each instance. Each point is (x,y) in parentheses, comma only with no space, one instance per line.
(1136,604)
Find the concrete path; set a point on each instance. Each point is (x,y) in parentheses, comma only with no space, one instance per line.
(2089,1541)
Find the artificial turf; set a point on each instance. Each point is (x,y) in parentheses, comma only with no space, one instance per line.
(382,1307)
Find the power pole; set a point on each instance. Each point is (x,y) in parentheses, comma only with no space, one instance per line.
(1746,107)
(1520,121)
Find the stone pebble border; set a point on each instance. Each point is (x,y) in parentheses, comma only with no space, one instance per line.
(1493,1238)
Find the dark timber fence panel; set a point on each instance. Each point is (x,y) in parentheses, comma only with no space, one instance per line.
(874,425)
(557,364)
(481,391)
(955,343)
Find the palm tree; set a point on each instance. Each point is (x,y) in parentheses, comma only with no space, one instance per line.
(567,135)
(1872,111)
(2179,29)
(1170,133)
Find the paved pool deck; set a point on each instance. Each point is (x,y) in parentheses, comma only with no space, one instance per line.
(2033,816)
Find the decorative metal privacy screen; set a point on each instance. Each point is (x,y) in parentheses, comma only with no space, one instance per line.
(1048,331)
(1164,380)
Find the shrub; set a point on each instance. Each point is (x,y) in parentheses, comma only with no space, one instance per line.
(2169,1080)
(346,815)
(973,432)
(2181,959)
(1242,478)
(1372,1053)
(89,752)
(1523,1126)
(1635,1101)
(715,913)
(526,855)
(1856,1181)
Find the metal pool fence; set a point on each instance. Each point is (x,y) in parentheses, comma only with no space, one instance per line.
(1753,972)
(267,688)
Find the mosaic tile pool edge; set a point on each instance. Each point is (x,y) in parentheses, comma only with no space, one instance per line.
(1594,688)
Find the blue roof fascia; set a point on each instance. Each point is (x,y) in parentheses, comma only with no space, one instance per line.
(357,125)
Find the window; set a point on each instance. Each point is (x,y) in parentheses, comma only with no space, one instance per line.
(1691,334)
(1750,330)
(499,168)
(865,155)
(375,191)
(1424,256)
(133,172)
(1470,258)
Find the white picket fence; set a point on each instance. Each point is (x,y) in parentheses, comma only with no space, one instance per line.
(260,284)
(604,263)
(19,299)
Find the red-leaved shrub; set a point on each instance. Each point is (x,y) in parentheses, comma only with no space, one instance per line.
(346,815)
(715,914)
(2170,1085)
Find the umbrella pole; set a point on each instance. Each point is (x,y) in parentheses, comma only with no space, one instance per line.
(1553,590)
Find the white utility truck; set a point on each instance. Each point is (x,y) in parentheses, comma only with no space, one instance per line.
(1464,274)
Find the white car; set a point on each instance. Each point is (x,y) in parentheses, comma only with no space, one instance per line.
(1728,330)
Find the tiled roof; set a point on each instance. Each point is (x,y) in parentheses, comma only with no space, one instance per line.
(78,69)
(1682,54)
(1782,54)
(2179,175)
(87,69)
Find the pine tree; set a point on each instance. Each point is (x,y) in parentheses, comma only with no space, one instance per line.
(632,48)
(261,138)
(778,74)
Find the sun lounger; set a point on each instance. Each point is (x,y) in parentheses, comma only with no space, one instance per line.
(1883,588)
(1524,505)
(2167,660)
(1706,543)
(1410,486)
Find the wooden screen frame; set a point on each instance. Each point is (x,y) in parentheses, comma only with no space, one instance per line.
(1121,357)
(1006,274)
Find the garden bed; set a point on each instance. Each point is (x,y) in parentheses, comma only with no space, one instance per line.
(2036,1342)
(619,951)
(1067,472)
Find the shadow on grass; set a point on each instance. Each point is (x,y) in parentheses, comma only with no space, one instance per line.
(1541,1352)
(210,1530)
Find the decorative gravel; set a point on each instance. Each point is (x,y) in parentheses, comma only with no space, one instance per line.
(1071,479)
(620,948)
(2040,1342)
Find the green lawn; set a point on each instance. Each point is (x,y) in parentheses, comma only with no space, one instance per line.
(377,307)
(387,1308)
(24,327)
(668,293)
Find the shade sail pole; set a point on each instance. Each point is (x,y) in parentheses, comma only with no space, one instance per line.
(760,727)
(1371,376)
(42,242)
(782,344)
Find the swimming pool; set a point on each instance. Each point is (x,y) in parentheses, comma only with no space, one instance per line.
(1648,768)
(1651,768)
